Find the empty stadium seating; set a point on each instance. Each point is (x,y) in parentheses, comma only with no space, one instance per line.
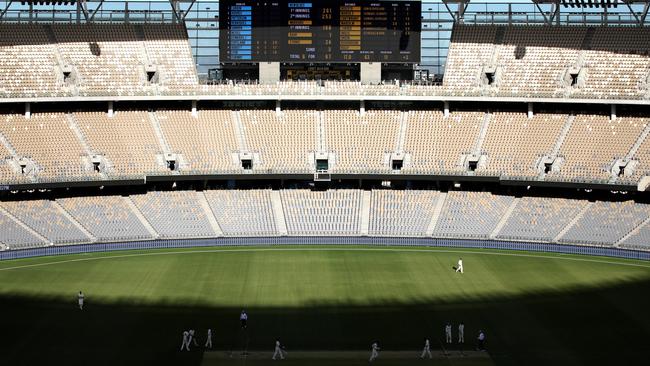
(206,143)
(401,213)
(243,213)
(282,142)
(540,219)
(605,223)
(514,143)
(362,142)
(436,143)
(470,214)
(107,218)
(321,213)
(127,141)
(132,144)
(48,220)
(95,59)
(174,214)
(344,212)
(611,140)
(49,141)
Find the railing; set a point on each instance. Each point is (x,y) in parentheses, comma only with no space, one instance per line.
(316,240)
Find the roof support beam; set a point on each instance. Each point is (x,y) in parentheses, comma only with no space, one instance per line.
(92,15)
(188,10)
(6,8)
(175,16)
(645,13)
(543,14)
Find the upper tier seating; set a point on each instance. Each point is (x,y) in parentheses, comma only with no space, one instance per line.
(127,141)
(133,144)
(362,142)
(107,58)
(283,142)
(593,144)
(168,49)
(206,142)
(514,143)
(537,61)
(94,60)
(27,62)
(48,140)
(436,143)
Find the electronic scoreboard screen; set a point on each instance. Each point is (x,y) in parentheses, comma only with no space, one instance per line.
(319,31)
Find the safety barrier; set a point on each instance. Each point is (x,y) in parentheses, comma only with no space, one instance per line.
(314,240)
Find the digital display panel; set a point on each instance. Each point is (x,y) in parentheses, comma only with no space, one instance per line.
(319,31)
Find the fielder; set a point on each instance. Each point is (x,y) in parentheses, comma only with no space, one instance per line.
(481,340)
(278,350)
(192,338)
(243,319)
(448,333)
(208,341)
(375,352)
(459,267)
(81,300)
(186,341)
(461,333)
(426,350)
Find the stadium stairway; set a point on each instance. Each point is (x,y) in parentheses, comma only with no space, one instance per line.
(209,214)
(278,213)
(572,223)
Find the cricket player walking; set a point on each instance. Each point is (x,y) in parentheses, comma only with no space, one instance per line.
(448,333)
(459,267)
(81,300)
(375,351)
(426,351)
(186,341)
(461,333)
(278,350)
(208,341)
(192,338)
(243,319)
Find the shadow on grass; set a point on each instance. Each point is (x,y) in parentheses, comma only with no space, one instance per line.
(595,326)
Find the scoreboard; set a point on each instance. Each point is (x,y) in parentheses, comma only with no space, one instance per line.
(319,31)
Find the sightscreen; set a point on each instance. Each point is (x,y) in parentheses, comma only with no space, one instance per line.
(319,31)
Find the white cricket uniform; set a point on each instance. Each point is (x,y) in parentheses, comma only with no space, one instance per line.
(208,341)
(459,267)
(186,341)
(375,352)
(243,318)
(278,351)
(81,300)
(448,332)
(461,333)
(192,339)
(426,351)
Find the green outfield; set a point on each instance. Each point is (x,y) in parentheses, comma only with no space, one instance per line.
(536,309)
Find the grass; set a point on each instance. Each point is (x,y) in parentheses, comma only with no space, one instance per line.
(536,309)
